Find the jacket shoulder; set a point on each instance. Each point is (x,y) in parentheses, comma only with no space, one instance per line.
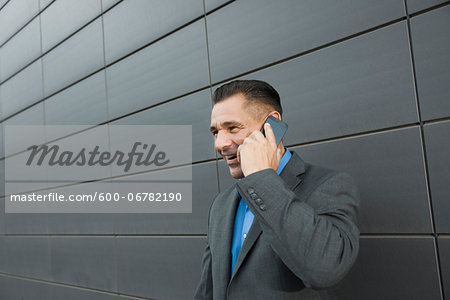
(319,181)
(318,175)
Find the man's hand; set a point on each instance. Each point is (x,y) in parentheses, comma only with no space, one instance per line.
(258,152)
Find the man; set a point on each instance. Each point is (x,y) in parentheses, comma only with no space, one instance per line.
(286,229)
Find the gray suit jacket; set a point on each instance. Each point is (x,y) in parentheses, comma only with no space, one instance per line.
(303,239)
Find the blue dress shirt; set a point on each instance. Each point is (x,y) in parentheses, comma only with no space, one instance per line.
(244,218)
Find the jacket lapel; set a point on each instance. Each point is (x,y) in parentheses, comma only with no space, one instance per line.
(223,235)
(253,235)
(292,171)
(291,175)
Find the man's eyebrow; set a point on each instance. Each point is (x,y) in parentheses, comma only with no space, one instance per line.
(226,124)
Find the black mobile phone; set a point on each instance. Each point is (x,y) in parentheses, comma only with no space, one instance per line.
(279,128)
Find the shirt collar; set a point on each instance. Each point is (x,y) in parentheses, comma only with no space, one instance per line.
(284,160)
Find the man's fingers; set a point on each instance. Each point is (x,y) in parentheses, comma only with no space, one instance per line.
(254,137)
(257,135)
(279,154)
(269,134)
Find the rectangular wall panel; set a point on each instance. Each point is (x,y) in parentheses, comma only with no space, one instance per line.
(444,250)
(70,293)
(2,3)
(133,24)
(12,288)
(392,269)
(2,183)
(28,256)
(248,34)
(15,97)
(213,4)
(416,5)
(87,102)
(22,49)
(437,143)
(84,261)
(121,297)
(358,85)
(431,45)
(14,15)
(63,18)
(159,265)
(68,223)
(79,223)
(44,3)
(388,169)
(26,223)
(1,114)
(2,212)
(194,109)
(2,253)
(2,148)
(31,116)
(106,4)
(77,57)
(204,188)
(148,76)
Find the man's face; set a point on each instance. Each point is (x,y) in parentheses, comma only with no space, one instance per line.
(231,123)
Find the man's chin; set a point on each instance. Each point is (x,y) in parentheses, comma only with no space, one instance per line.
(236,172)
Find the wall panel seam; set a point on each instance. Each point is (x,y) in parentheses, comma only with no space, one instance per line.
(26,24)
(424,155)
(55,283)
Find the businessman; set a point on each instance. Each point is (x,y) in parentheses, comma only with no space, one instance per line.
(286,229)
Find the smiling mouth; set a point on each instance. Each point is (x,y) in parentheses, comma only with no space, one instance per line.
(231,159)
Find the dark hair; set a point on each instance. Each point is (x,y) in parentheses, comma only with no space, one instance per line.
(253,91)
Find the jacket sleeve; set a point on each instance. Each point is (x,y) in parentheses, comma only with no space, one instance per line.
(314,232)
(204,289)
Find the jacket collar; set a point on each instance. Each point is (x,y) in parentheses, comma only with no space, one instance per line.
(292,171)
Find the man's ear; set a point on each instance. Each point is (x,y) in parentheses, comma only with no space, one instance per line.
(275,114)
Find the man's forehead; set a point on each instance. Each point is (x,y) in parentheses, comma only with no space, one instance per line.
(230,104)
(228,109)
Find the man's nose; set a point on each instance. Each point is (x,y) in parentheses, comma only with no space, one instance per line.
(222,141)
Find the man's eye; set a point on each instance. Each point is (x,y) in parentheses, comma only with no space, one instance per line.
(233,128)
(214,133)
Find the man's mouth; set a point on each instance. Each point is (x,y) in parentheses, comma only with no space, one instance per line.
(231,159)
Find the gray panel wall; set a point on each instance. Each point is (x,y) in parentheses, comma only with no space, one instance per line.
(364,86)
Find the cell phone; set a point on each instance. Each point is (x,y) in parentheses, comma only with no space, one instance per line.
(279,128)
